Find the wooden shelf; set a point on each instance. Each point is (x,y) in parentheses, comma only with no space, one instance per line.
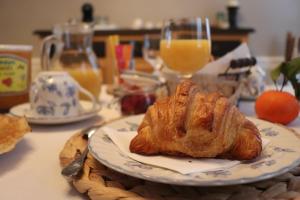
(223,40)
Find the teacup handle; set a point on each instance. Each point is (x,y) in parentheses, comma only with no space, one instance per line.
(89,95)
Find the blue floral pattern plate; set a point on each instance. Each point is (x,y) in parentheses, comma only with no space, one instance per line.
(21,110)
(279,156)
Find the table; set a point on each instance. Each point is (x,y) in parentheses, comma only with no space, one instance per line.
(32,170)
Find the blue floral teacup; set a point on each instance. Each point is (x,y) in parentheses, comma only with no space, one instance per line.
(56,94)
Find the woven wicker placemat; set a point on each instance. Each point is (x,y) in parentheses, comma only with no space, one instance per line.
(102,183)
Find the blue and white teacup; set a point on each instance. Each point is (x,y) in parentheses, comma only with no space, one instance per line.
(56,94)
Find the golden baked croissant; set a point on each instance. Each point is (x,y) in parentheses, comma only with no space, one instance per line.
(191,123)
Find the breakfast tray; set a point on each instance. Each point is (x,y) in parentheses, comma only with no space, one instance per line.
(101,183)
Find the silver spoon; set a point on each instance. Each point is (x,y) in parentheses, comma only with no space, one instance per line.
(76,165)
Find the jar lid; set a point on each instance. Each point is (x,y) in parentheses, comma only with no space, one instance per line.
(15,47)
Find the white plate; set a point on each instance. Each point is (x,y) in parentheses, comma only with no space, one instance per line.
(21,110)
(281,155)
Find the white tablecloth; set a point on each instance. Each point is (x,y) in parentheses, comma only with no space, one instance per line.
(32,170)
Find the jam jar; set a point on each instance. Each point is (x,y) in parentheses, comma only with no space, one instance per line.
(138,91)
(15,75)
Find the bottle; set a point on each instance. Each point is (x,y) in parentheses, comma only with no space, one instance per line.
(232,8)
(15,75)
(87,13)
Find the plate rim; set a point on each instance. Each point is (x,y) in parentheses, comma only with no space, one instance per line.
(56,121)
(218,182)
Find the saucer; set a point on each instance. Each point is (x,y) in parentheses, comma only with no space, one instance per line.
(22,110)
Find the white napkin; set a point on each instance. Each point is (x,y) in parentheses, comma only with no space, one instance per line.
(255,82)
(182,165)
(220,65)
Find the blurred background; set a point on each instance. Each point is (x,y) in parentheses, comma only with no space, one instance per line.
(271,19)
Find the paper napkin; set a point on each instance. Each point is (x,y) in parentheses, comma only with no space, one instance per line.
(220,65)
(182,165)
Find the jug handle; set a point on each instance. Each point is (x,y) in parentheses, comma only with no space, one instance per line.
(47,44)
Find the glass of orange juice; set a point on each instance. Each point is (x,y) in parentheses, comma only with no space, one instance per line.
(185,45)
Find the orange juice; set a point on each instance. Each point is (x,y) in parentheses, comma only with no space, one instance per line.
(88,78)
(184,55)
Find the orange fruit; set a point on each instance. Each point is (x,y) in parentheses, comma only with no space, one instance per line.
(277,106)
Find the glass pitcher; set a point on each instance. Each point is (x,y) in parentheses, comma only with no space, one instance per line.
(70,49)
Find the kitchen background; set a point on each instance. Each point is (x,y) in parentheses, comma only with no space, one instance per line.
(270,18)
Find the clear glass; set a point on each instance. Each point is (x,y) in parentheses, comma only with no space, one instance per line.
(70,49)
(151,53)
(185,45)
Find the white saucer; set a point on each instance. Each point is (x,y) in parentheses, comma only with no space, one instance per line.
(22,110)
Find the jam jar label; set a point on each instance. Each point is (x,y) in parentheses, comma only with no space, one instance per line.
(13,73)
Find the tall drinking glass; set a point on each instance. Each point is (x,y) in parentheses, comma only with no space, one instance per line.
(185,45)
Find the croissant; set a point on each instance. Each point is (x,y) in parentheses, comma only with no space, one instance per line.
(199,125)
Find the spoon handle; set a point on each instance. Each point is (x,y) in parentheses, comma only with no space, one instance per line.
(76,165)
(73,169)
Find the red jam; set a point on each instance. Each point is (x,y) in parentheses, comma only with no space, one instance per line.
(136,103)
